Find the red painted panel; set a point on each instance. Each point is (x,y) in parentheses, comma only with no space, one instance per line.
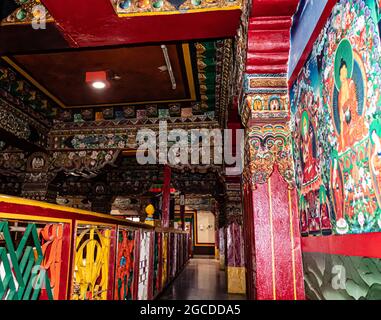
(249,243)
(282,238)
(111,270)
(266,40)
(266,7)
(268,46)
(94,23)
(361,245)
(274,69)
(297,247)
(258,58)
(270,23)
(262,238)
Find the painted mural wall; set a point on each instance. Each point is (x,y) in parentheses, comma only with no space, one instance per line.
(336,125)
(336,107)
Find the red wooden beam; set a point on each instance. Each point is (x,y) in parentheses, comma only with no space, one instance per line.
(360,245)
(95,23)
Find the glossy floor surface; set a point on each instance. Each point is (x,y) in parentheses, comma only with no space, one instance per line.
(200,280)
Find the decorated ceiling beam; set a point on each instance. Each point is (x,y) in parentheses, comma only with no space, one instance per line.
(98,24)
(107,136)
(20,130)
(128,8)
(26,25)
(23,12)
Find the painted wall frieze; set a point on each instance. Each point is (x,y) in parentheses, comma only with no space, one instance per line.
(82,160)
(22,125)
(266,99)
(25,96)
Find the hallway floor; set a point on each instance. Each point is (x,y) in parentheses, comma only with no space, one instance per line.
(200,280)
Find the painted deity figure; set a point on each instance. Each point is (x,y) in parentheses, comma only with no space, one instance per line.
(375,157)
(324,211)
(348,96)
(348,105)
(309,160)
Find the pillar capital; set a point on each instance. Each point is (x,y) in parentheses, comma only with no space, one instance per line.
(268,146)
(265,100)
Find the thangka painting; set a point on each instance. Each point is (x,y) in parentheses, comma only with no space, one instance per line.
(156,264)
(125,265)
(144,265)
(336,124)
(164,275)
(91,263)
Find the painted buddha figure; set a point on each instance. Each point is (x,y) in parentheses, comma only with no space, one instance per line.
(348,96)
(309,160)
(348,106)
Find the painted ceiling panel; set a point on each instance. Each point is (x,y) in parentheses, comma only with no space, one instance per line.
(62,74)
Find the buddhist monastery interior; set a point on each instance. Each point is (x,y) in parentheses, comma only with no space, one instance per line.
(190,150)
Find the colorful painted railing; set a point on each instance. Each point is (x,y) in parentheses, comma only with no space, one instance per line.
(58,253)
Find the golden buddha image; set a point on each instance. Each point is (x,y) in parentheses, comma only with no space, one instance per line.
(348,96)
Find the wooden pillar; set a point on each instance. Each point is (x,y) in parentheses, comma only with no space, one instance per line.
(235,251)
(273,241)
(271,228)
(166,196)
(182,210)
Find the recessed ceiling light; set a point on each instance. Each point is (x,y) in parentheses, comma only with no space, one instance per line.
(98,85)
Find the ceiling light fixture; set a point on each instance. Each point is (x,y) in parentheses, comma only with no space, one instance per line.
(99,85)
(98,79)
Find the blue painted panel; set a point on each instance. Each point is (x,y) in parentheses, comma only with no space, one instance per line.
(305,20)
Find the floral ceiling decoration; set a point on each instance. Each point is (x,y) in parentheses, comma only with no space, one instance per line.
(82,160)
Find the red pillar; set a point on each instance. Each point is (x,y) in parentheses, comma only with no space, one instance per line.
(274,262)
(273,252)
(235,251)
(182,210)
(166,197)
(271,227)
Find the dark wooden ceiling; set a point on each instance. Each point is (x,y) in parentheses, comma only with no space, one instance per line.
(62,75)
